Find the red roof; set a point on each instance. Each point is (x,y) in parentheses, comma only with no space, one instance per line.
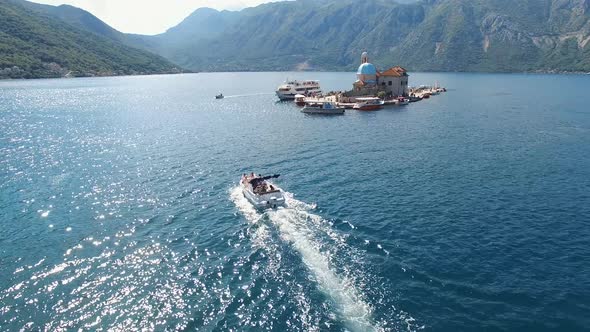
(394,71)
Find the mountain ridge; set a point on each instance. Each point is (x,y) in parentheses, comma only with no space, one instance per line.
(37,41)
(427,35)
(420,35)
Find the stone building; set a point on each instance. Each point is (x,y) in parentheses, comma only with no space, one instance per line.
(393,82)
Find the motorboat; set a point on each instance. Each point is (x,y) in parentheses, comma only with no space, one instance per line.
(368,104)
(323,108)
(300,100)
(262,193)
(289,89)
(219,96)
(402,101)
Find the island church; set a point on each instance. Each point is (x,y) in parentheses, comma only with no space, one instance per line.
(394,81)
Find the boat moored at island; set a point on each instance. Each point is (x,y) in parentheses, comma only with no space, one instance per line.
(323,108)
(300,100)
(289,89)
(368,104)
(402,101)
(262,193)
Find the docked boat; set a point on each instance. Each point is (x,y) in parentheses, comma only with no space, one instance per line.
(413,98)
(323,108)
(300,100)
(262,193)
(219,96)
(368,104)
(289,89)
(402,101)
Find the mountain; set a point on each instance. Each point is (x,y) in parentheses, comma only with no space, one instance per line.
(429,35)
(38,41)
(500,35)
(420,35)
(76,17)
(84,20)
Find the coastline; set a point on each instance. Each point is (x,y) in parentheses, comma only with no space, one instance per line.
(550,72)
(96,76)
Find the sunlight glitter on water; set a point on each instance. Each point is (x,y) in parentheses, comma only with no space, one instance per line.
(126,180)
(300,228)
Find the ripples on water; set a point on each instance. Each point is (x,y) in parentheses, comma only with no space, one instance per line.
(120,212)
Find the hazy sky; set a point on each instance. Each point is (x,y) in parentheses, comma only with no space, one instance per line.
(149,16)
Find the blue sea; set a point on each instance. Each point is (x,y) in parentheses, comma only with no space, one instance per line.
(119,206)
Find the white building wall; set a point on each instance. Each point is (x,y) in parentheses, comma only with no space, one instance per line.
(397,86)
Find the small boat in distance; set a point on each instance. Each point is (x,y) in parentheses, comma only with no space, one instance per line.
(262,193)
(368,104)
(323,108)
(300,100)
(289,89)
(219,96)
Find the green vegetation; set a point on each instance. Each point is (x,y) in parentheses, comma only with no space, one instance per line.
(421,35)
(429,35)
(34,44)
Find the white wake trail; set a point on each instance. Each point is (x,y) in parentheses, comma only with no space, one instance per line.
(252,215)
(296,226)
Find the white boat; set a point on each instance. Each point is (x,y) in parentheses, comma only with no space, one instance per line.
(300,100)
(322,108)
(368,104)
(262,193)
(289,89)
(402,101)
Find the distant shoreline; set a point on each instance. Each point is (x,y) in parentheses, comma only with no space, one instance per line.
(296,71)
(96,76)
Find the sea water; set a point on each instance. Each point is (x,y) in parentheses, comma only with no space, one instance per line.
(119,206)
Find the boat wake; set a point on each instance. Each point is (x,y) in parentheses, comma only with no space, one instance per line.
(318,246)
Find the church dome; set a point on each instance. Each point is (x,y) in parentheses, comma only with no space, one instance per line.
(367,69)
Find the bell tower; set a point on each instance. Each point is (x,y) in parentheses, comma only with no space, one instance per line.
(365,57)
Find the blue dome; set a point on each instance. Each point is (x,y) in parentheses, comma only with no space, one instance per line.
(367,69)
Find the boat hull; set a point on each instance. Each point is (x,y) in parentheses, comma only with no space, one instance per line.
(286,96)
(271,200)
(367,107)
(334,111)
